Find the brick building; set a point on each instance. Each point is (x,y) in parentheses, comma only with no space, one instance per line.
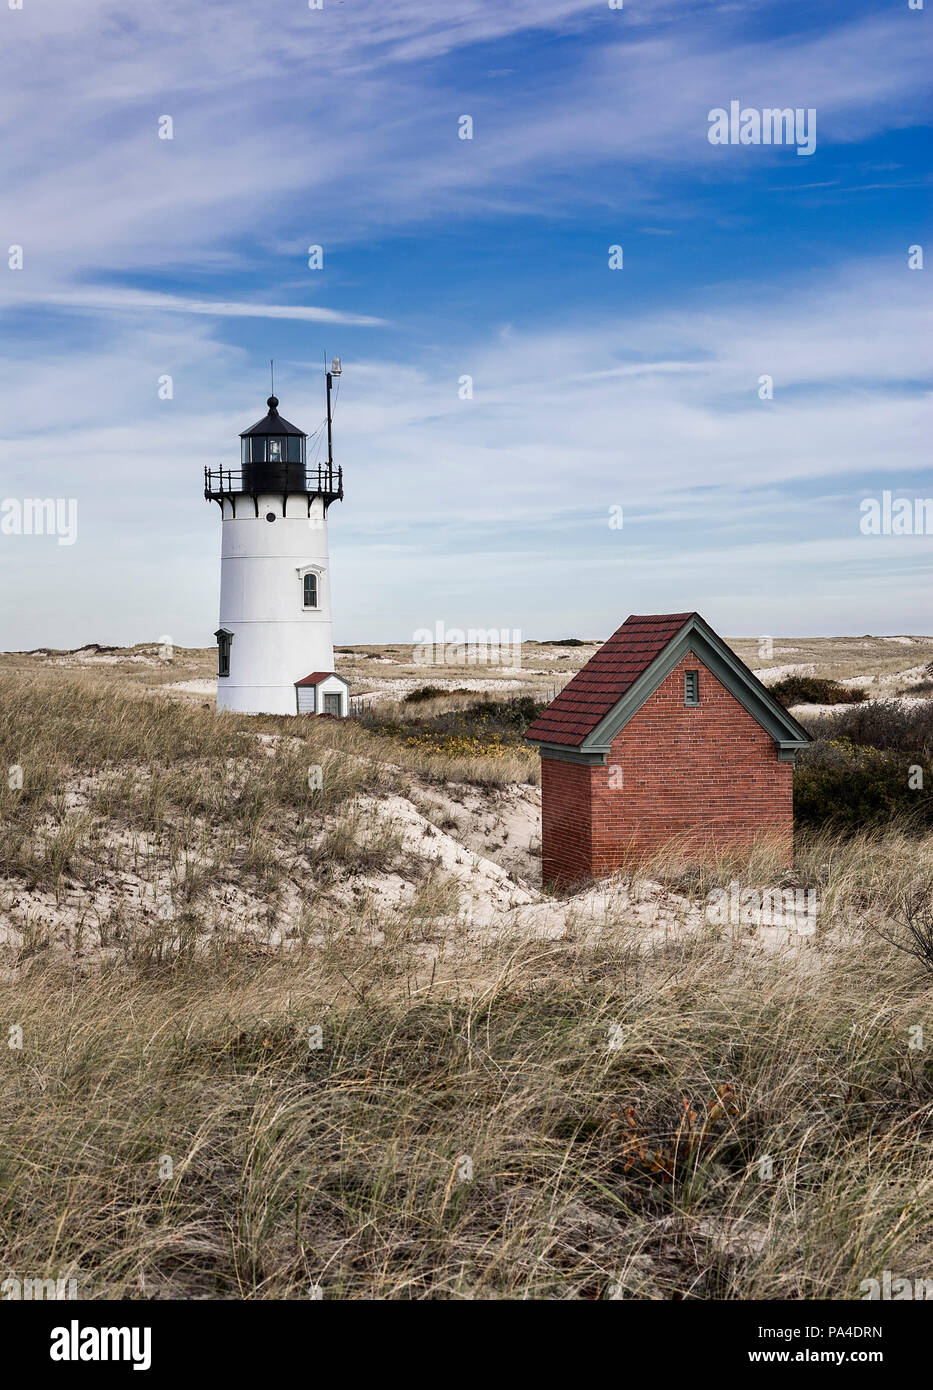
(664,734)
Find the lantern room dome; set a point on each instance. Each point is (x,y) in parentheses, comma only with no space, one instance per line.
(273,423)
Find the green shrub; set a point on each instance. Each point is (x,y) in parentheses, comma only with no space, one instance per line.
(886,724)
(843,786)
(499,721)
(424,692)
(814,690)
(431,692)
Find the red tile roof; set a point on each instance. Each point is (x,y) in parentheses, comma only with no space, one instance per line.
(315,678)
(598,685)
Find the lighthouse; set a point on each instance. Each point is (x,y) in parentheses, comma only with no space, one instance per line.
(275,651)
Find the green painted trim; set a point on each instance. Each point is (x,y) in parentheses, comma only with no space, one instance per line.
(787,751)
(558,753)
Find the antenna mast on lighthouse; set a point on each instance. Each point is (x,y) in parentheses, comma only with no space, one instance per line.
(335,370)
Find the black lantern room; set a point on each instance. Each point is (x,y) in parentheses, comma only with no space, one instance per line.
(273,461)
(272,454)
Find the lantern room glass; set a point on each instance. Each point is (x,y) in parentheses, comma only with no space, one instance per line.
(261,448)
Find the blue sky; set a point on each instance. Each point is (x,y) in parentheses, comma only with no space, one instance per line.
(593,388)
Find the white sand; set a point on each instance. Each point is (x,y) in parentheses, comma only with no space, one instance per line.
(777,673)
(205,687)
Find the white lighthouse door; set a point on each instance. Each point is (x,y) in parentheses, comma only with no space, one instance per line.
(332,704)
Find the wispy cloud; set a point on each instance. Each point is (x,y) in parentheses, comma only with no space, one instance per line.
(111,300)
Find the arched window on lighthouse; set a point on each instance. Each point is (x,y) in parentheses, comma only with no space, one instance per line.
(310,590)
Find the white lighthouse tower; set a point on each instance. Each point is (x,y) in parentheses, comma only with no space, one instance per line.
(275,652)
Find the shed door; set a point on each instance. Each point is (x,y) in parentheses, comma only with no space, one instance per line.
(332,704)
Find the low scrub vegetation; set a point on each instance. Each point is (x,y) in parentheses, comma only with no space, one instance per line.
(487,728)
(846,786)
(814,690)
(430,692)
(869,765)
(891,725)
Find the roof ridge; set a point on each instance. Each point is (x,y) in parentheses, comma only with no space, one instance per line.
(656,617)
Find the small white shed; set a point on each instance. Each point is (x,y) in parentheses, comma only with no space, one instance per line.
(323,692)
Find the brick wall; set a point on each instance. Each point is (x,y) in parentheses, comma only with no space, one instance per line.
(707,776)
(566,821)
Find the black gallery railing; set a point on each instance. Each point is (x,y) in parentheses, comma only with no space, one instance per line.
(254,478)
